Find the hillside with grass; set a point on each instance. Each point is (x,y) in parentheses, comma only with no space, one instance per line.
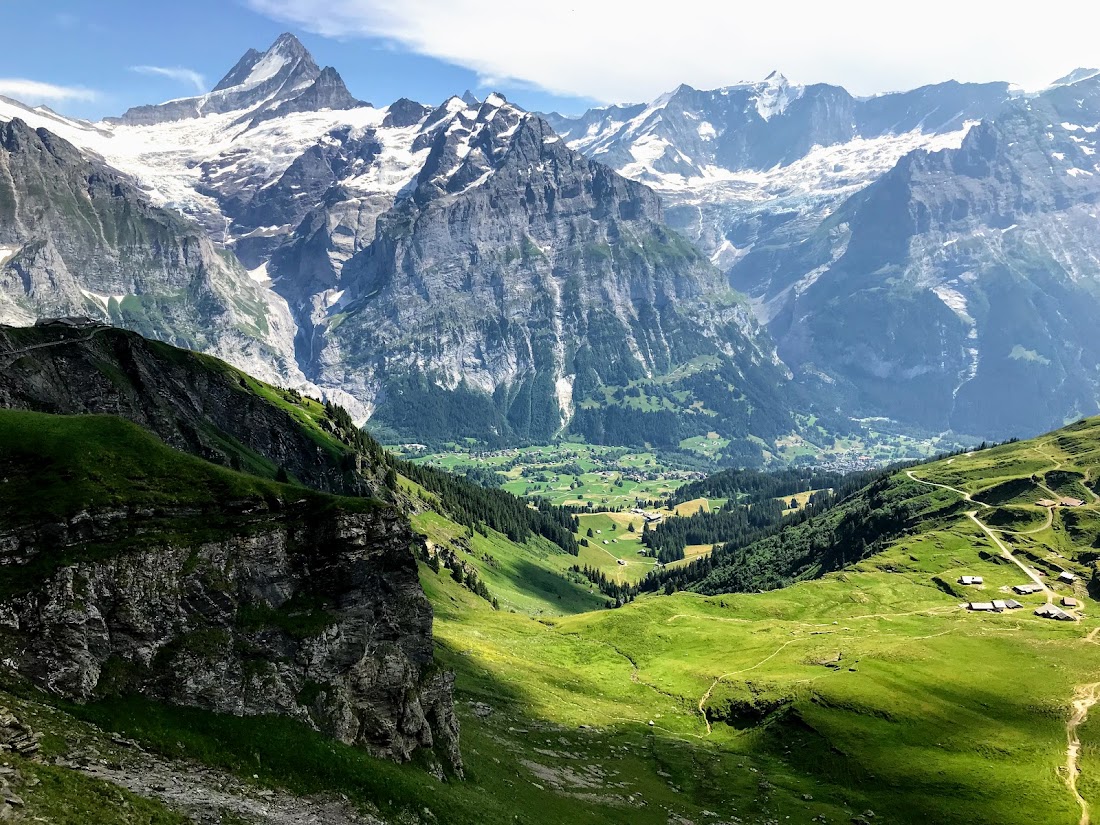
(860,687)
(868,693)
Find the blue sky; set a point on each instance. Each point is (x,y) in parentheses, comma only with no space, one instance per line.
(85,47)
(543,56)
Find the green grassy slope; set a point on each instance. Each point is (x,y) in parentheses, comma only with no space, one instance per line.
(870,688)
(192,401)
(52,468)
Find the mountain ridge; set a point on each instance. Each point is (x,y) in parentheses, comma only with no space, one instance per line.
(348,185)
(301,178)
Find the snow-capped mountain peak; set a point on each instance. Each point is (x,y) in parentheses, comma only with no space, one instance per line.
(1076,76)
(259,79)
(775,94)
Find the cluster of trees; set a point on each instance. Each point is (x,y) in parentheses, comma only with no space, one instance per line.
(472,506)
(738,523)
(755,485)
(627,425)
(343,427)
(437,416)
(485,477)
(836,530)
(620,592)
(751,407)
(460,572)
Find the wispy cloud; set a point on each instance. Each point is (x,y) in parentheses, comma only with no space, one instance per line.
(66,20)
(35,91)
(623,50)
(178,73)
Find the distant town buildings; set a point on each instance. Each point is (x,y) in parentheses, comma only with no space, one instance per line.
(1065,501)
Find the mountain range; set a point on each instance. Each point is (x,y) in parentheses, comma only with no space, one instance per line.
(731,261)
(929,256)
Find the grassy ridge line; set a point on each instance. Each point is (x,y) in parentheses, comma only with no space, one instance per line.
(53,468)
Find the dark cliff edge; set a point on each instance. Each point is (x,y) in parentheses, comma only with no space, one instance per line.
(193,402)
(128,567)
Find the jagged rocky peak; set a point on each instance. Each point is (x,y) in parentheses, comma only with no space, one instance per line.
(403,113)
(287,52)
(326,92)
(281,80)
(467,143)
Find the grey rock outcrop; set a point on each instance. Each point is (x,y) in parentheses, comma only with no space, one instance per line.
(17,736)
(315,616)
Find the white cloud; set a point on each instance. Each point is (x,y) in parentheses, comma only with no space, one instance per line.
(631,50)
(189,76)
(34,91)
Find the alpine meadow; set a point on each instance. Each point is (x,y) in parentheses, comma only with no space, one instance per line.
(539,457)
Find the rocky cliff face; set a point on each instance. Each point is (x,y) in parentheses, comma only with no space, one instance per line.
(956,290)
(77,238)
(519,270)
(314,615)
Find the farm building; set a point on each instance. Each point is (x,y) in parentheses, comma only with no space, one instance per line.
(1068,501)
(1067,577)
(1012,604)
(1026,589)
(1047,502)
(1069,601)
(1049,611)
(970,579)
(999,605)
(982,607)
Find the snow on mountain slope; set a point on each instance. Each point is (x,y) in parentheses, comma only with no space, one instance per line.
(167,159)
(739,163)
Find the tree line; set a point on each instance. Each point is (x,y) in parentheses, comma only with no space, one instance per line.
(472,505)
